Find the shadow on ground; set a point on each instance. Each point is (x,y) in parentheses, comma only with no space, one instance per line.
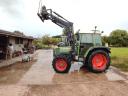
(78,76)
(13,73)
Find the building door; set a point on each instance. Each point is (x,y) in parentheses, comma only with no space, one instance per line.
(3,46)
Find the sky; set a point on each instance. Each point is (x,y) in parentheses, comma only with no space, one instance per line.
(21,15)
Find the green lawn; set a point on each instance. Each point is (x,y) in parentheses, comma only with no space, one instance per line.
(119,57)
(119,52)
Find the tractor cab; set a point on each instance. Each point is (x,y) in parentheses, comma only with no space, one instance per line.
(90,39)
(87,40)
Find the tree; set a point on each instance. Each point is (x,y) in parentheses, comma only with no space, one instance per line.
(46,40)
(105,39)
(55,41)
(65,30)
(119,38)
(38,43)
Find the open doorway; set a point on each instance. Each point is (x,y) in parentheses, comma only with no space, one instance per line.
(3,46)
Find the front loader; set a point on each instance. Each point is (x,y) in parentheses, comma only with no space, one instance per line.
(80,47)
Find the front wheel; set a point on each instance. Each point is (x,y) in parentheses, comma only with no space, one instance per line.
(99,61)
(61,64)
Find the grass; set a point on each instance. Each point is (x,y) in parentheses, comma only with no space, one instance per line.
(119,52)
(119,57)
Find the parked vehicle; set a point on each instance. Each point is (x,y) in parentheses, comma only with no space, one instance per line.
(80,47)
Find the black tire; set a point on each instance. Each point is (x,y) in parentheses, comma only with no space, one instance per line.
(67,60)
(105,65)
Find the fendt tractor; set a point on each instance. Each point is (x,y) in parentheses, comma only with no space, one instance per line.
(79,47)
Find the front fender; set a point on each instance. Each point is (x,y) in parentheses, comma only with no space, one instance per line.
(61,50)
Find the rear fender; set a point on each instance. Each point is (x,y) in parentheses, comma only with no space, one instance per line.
(91,49)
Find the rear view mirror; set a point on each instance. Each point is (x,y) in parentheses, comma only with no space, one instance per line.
(78,35)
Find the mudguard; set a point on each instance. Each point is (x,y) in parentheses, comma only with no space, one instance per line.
(61,50)
(91,49)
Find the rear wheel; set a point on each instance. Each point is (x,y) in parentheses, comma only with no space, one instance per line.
(98,61)
(61,64)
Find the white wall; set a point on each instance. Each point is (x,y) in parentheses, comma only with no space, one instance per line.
(17,47)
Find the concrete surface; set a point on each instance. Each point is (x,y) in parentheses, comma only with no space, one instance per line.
(39,79)
(41,72)
(4,63)
(8,62)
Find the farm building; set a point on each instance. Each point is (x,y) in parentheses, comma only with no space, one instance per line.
(17,39)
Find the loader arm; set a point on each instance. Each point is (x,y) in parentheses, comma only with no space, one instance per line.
(48,14)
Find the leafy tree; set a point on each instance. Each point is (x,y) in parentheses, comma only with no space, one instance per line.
(55,41)
(105,39)
(119,38)
(38,43)
(65,30)
(46,40)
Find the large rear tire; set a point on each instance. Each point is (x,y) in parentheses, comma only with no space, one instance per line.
(61,64)
(98,61)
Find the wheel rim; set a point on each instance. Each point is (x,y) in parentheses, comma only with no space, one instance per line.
(99,61)
(61,64)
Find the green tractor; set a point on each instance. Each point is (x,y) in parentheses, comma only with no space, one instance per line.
(80,47)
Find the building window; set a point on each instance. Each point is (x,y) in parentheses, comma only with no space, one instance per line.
(19,40)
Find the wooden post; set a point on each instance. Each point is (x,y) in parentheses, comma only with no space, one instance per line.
(7,47)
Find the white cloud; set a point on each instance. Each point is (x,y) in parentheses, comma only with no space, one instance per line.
(85,14)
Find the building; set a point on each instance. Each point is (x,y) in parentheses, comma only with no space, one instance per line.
(17,39)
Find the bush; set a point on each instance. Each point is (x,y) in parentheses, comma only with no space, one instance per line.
(45,42)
